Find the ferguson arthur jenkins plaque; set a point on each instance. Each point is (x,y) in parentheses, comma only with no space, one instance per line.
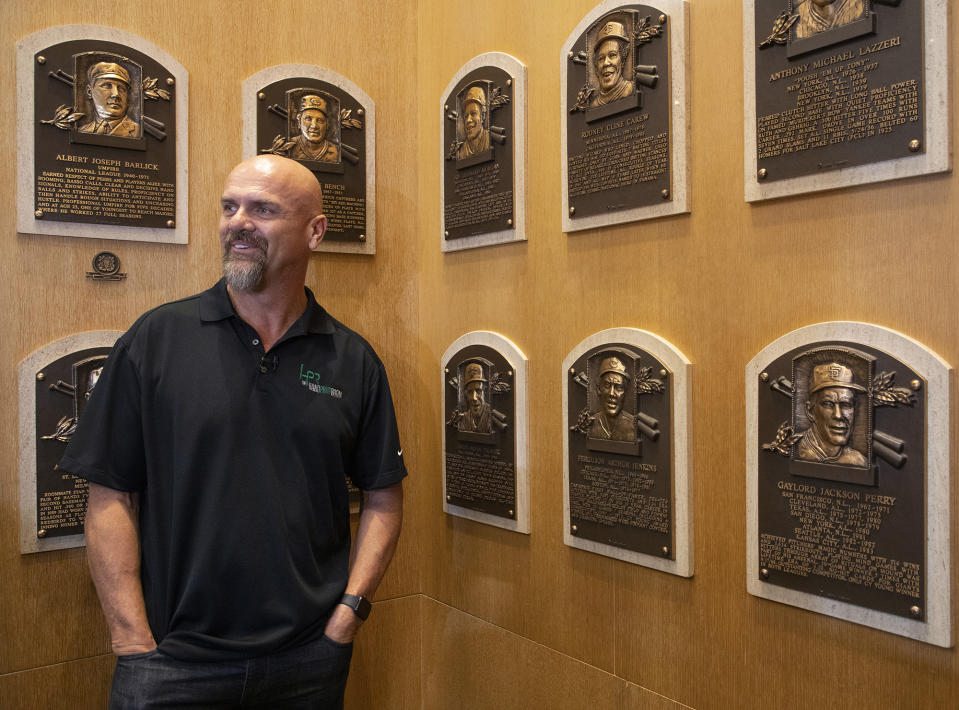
(480,412)
(620,487)
(839,83)
(322,126)
(104,143)
(478,170)
(841,476)
(617,94)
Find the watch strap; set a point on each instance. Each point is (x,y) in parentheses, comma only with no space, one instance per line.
(360,605)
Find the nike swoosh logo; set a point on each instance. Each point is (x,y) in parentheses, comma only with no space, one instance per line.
(399,452)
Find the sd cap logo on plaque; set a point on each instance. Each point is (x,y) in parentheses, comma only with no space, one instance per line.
(323,120)
(102,134)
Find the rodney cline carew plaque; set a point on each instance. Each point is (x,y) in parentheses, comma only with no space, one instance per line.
(102,130)
(843,462)
(837,84)
(624,78)
(620,430)
(323,120)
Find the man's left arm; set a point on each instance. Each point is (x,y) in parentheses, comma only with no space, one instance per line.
(381,518)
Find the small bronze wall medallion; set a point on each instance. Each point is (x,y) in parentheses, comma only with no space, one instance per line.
(63,388)
(479,135)
(106,267)
(321,125)
(105,149)
(838,84)
(841,474)
(480,421)
(618,124)
(620,449)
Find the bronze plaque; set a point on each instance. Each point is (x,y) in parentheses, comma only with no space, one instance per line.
(104,136)
(620,481)
(838,83)
(63,388)
(480,414)
(478,170)
(842,476)
(617,91)
(322,126)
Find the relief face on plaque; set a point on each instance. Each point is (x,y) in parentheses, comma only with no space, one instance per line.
(619,420)
(63,388)
(618,148)
(105,152)
(480,441)
(841,476)
(321,126)
(478,170)
(838,83)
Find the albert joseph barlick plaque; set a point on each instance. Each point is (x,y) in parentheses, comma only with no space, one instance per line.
(104,143)
(839,84)
(843,428)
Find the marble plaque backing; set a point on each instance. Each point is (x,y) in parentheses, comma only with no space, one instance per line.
(272,97)
(842,107)
(862,534)
(477,456)
(658,469)
(483,196)
(635,149)
(31,438)
(126,187)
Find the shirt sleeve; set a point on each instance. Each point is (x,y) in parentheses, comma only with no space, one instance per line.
(378,456)
(107,447)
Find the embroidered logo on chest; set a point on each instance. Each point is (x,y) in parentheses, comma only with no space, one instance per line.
(311,380)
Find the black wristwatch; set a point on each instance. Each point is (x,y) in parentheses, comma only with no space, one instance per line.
(360,605)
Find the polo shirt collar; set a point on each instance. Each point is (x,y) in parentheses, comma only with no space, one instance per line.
(215,305)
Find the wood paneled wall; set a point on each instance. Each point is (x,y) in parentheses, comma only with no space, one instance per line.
(474,616)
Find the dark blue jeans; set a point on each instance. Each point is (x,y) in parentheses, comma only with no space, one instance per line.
(311,677)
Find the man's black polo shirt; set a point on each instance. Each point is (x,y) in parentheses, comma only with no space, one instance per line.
(241,462)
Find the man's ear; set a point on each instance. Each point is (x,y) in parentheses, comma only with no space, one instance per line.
(809,407)
(317,230)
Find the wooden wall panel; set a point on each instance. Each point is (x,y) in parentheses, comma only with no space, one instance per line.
(83,684)
(48,610)
(719,284)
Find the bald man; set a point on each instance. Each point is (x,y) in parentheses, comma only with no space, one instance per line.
(217,445)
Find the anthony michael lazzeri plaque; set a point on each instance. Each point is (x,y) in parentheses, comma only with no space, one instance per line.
(839,83)
(104,136)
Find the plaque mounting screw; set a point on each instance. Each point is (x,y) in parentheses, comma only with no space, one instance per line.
(570,55)
(41,59)
(509,222)
(665,194)
(662,18)
(359,112)
(572,370)
(449,498)
(447,370)
(572,210)
(509,374)
(764,376)
(509,82)
(169,81)
(665,551)
(446,233)
(446,107)
(41,376)
(510,513)
(915,611)
(764,573)
(915,384)
(41,532)
(914,146)
(170,223)
(261,96)
(762,173)
(38,214)
(663,373)
(573,529)
(362,237)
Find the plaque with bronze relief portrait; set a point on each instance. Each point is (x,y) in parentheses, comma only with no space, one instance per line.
(483,153)
(842,473)
(485,431)
(624,88)
(55,385)
(102,134)
(324,121)
(838,84)
(623,450)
